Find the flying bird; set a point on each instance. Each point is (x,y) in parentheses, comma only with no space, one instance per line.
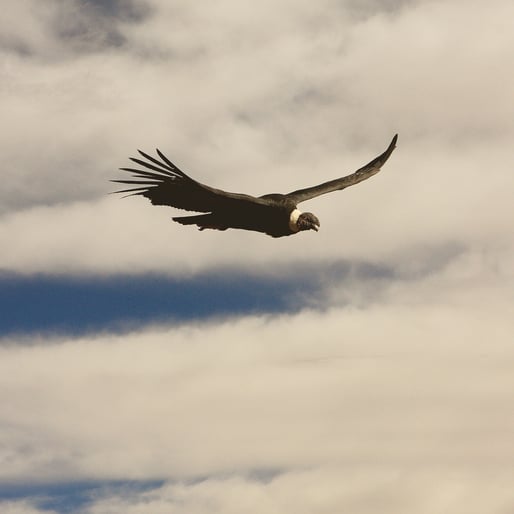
(276,214)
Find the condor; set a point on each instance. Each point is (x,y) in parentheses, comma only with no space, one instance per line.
(274,214)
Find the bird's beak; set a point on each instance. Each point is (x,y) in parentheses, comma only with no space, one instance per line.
(315,227)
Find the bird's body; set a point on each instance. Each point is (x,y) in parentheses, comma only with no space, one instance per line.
(271,217)
(274,214)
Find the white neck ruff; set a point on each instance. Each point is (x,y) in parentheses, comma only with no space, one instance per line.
(293,218)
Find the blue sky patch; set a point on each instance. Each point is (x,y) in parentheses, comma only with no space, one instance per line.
(42,303)
(69,497)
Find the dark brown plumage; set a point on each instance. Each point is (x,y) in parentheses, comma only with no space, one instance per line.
(277,215)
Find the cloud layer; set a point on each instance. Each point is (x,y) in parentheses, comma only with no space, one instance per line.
(413,387)
(376,375)
(255,106)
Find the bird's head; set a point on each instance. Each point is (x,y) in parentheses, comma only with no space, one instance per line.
(307,221)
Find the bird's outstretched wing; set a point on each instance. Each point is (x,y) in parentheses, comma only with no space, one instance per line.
(163,183)
(373,167)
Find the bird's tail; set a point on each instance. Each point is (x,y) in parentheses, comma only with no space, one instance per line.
(203,221)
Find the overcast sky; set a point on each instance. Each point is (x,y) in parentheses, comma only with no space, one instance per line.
(150,367)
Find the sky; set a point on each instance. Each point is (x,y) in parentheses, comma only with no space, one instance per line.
(150,367)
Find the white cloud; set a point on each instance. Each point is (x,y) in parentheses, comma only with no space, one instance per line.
(401,400)
(420,378)
(397,218)
(327,490)
(21,507)
(253,106)
(405,404)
